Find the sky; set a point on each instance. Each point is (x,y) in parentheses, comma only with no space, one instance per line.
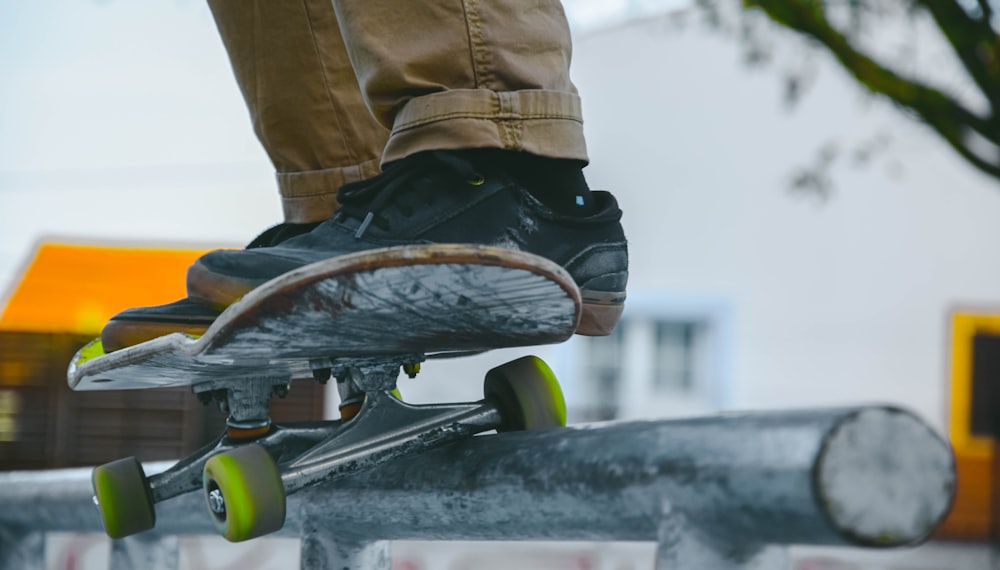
(122,122)
(114,114)
(76,73)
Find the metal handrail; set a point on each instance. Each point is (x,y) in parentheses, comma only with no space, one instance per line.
(711,491)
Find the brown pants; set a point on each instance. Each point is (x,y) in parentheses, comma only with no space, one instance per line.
(336,89)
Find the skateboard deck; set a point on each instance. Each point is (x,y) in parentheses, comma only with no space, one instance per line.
(409,302)
(359,318)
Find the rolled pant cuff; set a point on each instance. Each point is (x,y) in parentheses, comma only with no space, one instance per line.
(311,196)
(545,123)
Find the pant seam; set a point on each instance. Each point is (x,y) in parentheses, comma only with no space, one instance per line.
(511,105)
(472,47)
(512,132)
(486,116)
(258,120)
(346,174)
(326,85)
(480,56)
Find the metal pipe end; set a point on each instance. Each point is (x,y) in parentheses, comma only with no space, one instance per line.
(885,478)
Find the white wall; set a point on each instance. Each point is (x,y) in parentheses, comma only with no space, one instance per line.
(126,124)
(837,302)
(122,121)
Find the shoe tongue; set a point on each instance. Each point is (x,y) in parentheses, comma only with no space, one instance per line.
(357,198)
(279,233)
(432,171)
(462,166)
(359,192)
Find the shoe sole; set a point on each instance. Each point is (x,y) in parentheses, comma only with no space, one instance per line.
(214,290)
(119,334)
(596,320)
(598,317)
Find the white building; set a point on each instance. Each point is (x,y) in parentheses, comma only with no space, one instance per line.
(742,294)
(799,302)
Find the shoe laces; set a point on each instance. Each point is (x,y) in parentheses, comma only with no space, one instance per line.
(425,174)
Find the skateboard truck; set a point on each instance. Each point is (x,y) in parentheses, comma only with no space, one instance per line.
(246,402)
(356,379)
(359,318)
(248,471)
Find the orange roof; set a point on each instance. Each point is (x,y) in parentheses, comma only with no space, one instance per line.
(77,288)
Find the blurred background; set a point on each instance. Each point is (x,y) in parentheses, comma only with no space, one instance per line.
(811,196)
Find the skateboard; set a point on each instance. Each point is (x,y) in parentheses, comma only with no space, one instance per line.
(360,320)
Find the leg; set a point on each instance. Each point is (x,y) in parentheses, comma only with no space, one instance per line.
(294,73)
(22,548)
(458,74)
(322,550)
(486,146)
(300,89)
(145,551)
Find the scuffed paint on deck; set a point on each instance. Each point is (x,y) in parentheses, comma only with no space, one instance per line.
(395,301)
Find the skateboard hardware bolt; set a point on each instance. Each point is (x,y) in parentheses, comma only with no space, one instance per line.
(217,502)
(209,396)
(280,391)
(412,369)
(321,375)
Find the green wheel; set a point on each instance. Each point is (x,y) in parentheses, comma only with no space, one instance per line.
(527,393)
(244,494)
(124,497)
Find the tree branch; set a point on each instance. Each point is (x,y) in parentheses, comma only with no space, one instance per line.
(950,119)
(974,41)
(987,10)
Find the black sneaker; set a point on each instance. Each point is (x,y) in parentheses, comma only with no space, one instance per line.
(446,197)
(190,316)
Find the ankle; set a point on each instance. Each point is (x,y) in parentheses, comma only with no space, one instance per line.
(558,183)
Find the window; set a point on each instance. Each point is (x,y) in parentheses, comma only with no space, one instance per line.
(9,406)
(603,358)
(651,366)
(674,355)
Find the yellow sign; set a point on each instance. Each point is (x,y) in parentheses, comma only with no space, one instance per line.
(964,328)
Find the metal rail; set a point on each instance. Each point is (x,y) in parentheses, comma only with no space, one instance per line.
(712,492)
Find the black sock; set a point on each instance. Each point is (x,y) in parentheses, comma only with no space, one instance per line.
(558,183)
